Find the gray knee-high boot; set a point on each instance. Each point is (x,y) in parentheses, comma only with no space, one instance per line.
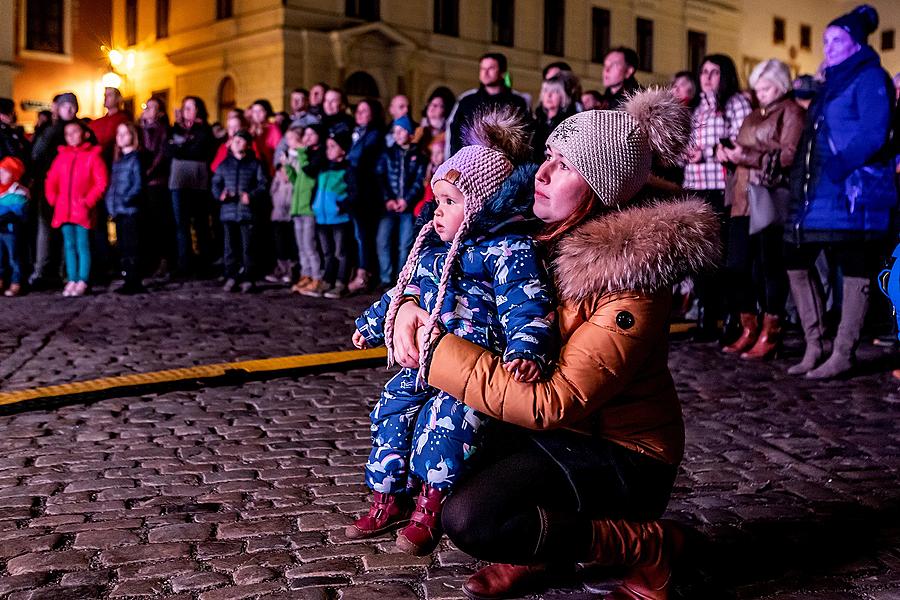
(853,313)
(811,308)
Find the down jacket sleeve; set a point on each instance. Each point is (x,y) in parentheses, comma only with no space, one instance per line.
(600,357)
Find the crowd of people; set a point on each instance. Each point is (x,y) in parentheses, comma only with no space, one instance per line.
(323,198)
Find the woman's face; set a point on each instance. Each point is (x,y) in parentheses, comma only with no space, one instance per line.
(435,110)
(839,46)
(710,76)
(766,91)
(188,111)
(363,114)
(151,111)
(683,89)
(551,100)
(66,111)
(559,190)
(258,114)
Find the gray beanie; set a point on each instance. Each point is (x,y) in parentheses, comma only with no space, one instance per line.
(67,97)
(614,149)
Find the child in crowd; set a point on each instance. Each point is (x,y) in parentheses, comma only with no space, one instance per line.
(123,199)
(334,197)
(401,171)
(239,184)
(13,204)
(478,274)
(304,159)
(233,123)
(75,183)
(437,157)
(281,192)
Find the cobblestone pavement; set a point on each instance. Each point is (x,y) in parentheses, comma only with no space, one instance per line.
(243,492)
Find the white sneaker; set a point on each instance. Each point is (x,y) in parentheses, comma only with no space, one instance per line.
(80,289)
(70,287)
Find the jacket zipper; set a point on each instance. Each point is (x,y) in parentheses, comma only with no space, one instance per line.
(71,182)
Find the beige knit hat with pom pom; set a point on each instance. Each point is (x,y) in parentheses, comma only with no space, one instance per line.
(613,149)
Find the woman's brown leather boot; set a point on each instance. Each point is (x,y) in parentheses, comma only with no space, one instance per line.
(646,549)
(506,581)
(749,329)
(769,341)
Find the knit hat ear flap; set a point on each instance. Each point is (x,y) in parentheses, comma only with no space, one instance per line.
(664,120)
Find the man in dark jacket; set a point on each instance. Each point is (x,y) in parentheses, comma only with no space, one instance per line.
(239,183)
(493,92)
(619,67)
(12,139)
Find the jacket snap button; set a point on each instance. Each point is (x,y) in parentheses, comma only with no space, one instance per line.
(625,320)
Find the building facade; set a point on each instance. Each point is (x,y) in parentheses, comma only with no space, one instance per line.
(230,52)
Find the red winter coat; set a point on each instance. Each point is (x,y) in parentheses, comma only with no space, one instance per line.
(75,183)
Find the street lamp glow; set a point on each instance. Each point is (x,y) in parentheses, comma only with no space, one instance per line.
(129,60)
(111,80)
(115,57)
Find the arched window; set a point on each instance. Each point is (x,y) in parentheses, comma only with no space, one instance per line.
(360,85)
(226,98)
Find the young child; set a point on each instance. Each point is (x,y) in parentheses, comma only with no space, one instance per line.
(75,183)
(437,155)
(301,167)
(13,204)
(479,276)
(401,172)
(334,197)
(123,199)
(239,184)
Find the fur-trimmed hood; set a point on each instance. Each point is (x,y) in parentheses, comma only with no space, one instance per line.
(643,248)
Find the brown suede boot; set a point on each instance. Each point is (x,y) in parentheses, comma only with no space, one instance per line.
(387,512)
(423,533)
(506,581)
(647,549)
(750,327)
(769,341)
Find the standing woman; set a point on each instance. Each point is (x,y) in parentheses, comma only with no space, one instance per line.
(719,115)
(368,141)
(844,190)
(190,148)
(556,104)
(266,134)
(585,468)
(763,153)
(154,137)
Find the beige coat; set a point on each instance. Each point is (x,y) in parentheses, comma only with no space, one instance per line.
(614,276)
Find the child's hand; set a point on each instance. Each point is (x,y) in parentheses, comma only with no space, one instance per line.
(400,205)
(523,370)
(359,340)
(223,195)
(245,198)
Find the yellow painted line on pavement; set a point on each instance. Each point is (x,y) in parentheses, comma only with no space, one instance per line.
(197,373)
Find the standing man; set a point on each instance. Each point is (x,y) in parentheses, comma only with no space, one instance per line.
(301,116)
(619,68)
(493,92)
(399,107)
(12,139)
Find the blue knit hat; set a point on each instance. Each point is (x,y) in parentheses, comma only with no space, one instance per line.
(405,123)
(859,23)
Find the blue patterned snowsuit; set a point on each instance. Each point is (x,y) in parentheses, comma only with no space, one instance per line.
(498,298)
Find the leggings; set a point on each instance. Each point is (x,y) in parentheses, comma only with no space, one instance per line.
(77,242)
(533,503)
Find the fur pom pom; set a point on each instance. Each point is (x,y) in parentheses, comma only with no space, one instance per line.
(665,120)
(500,128)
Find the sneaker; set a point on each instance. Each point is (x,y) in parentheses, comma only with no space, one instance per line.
(339,290)
(273,277)
(247,287)
(67,291)
(286,279)
(360,282)
(14,290)
(80,289)
(303,282)
(316,288)
(230,285)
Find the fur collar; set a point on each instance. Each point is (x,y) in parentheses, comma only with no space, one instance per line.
(643,248)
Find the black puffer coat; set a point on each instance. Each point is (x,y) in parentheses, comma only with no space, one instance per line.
(236,177)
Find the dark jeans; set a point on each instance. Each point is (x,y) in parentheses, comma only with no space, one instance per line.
(754,268)
(530,498)
(395,237)
(9,256)
(159,227)
(128,240)
(854,259)
(333,240)
(285,246)
(364,226)
(709,286)
(192,206)
(237,257)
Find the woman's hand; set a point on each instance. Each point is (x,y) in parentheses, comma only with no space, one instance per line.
(694,154)
(406,327)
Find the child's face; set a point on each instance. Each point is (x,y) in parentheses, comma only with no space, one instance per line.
(238,145)
(293,139)
(401,136)
(437,154)
(124,139)
(448,215)
(6,178)
(333,151)
(73,134)
(310,138)
(232,126)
